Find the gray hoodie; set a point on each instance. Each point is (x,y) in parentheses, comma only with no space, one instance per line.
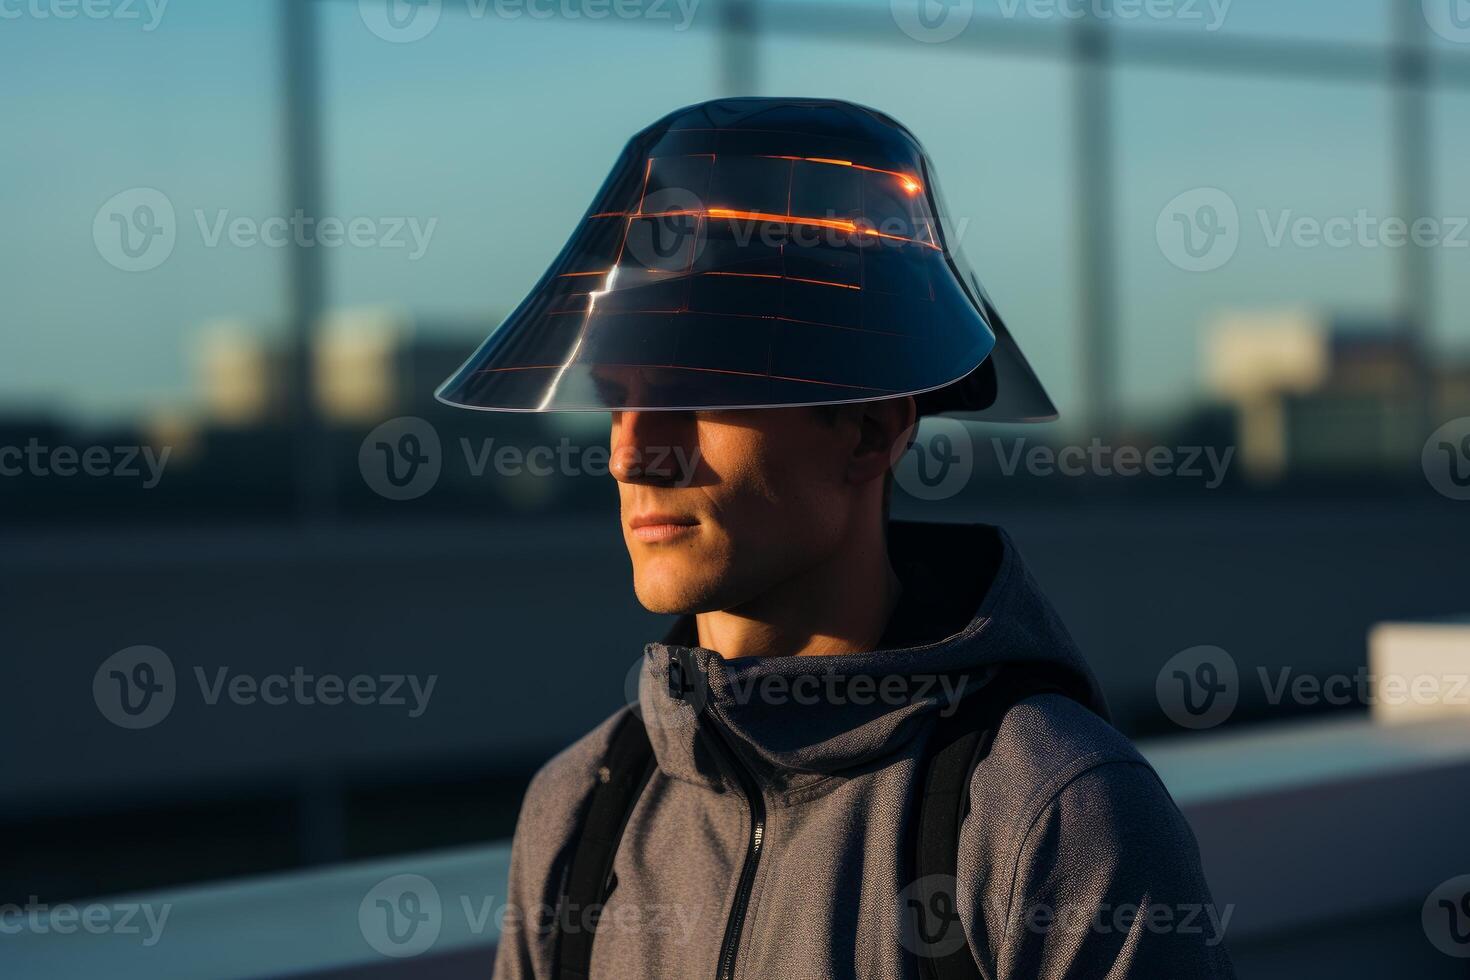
(1073,861)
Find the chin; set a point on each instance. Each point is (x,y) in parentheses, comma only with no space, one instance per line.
(670,598)
(672,589)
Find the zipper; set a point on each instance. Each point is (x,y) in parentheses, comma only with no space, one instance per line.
(681,676)
(736,923)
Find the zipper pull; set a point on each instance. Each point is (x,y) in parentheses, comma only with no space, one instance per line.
(681,674)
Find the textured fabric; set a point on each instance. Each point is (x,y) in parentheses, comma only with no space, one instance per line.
(1073,860)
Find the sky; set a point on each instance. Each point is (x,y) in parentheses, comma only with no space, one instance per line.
(489,136)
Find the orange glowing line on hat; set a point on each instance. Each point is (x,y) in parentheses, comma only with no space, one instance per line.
(908,182)
(838,224)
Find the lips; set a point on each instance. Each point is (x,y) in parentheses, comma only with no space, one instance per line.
(655,528)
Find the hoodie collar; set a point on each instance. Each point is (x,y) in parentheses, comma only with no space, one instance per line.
(792,721)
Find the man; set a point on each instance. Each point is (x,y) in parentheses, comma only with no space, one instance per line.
(864,750)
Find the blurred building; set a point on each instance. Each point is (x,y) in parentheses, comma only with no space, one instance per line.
(368,365)
(240,377)
(1315,393)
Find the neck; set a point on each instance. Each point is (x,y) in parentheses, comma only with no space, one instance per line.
(841,605)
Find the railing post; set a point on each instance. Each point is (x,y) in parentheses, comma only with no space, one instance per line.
(1091,56)
(312,461)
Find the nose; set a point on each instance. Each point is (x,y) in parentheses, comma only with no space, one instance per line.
(644,446)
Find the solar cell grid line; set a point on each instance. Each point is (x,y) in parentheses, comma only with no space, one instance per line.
(653,167)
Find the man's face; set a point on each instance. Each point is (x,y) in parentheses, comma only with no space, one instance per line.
(719,506)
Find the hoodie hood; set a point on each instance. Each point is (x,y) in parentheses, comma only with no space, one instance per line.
(794,721)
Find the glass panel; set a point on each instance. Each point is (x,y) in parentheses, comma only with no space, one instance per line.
(133,143)
(456,132)
(996,129)
(1245,198)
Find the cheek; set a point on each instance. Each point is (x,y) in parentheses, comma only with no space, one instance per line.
(776,493)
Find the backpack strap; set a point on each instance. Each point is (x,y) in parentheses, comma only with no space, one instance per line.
(960,740)
(625,770)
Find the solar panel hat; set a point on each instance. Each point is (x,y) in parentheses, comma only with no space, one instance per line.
(759,253)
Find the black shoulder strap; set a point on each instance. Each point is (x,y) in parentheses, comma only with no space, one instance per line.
(960,740)
(625,769)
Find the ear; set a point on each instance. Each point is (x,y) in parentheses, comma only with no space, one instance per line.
(881,426)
